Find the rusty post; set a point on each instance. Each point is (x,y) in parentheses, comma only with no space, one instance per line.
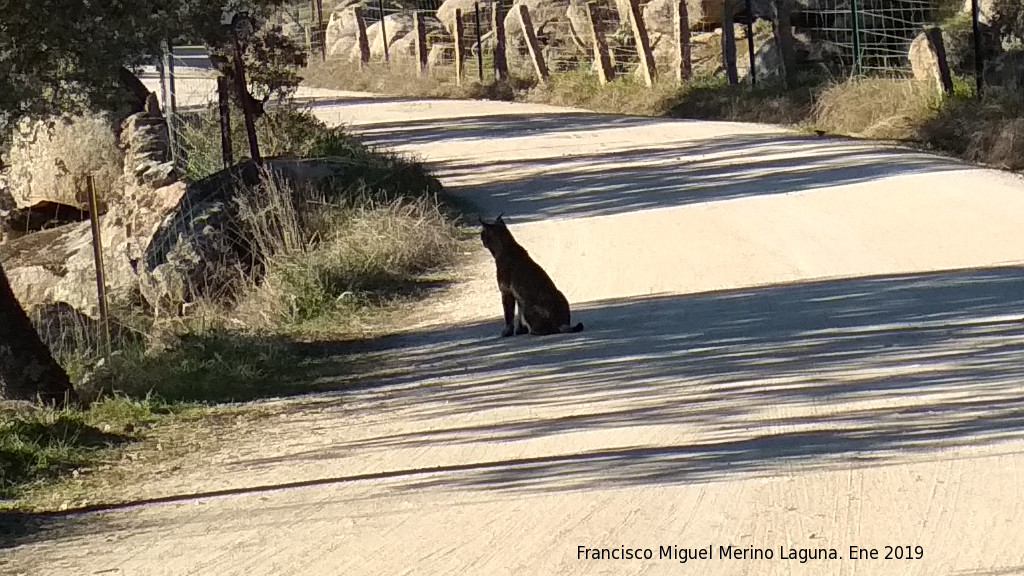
(97,253)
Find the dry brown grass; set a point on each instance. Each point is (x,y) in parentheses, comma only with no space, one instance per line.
(623,95)
(402,79)
(323,260)
(877,108)
(989,130)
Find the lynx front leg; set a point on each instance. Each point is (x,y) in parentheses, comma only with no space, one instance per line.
(508,304)
(521,327)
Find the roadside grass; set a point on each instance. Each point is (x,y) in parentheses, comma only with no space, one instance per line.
(987,130)
(339,262)
(39,444)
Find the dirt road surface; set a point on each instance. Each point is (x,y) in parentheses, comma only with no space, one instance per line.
(791,343)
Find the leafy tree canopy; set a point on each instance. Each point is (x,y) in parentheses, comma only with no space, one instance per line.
(64,55)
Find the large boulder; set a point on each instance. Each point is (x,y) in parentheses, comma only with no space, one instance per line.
(49,161)
(57,265)
(659,17)
(701,14)
(342,34)
(446,12)
(553,30)
(986,9)
(958,40)
(397,26)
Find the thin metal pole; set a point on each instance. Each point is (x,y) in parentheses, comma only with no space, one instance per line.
(855,17)
(479,45)
(750,43)
(170,105)
(383,30)
(321,31)
(97,253)
(224,106)
(979,61)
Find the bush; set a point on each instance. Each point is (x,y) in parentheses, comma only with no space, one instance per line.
(282,131)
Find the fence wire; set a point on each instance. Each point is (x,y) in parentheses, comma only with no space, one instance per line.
(848,36)
(189,99)
(564,32)
(870,36)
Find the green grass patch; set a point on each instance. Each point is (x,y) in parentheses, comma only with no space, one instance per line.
(40,444)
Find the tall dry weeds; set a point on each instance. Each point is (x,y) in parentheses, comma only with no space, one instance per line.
(319,257)
(877,108)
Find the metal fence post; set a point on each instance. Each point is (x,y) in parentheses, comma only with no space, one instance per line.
(855,24)
(383,30)
(479,45)
(750,43)
(979,60)
(97,254)
(170,106)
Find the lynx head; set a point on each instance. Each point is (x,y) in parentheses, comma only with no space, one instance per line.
(494,235)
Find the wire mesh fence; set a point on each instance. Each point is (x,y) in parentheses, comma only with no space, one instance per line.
(188,94)
(871,36)
(849,36)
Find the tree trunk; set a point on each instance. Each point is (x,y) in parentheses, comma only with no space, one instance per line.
(27,369)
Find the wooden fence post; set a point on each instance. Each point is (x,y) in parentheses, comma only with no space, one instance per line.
(750,43)
(681,26)
(605,72)
(498,26)
(460,51)
(937,52)
(479,43)
(532,45)
(97,254)
(383,31)
(643,42)
(729,45)
(783,28)
(420,34)
(224,113)
(364,43)
(321,29)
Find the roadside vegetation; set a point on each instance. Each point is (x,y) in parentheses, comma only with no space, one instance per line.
(985,129)
(342,262)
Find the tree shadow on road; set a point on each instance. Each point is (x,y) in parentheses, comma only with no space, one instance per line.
(833,373)
(636,171)
(698,171)
(854,370)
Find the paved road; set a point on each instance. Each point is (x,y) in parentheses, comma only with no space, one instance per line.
(792,343)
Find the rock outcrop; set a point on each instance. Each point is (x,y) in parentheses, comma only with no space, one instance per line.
(57,265)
